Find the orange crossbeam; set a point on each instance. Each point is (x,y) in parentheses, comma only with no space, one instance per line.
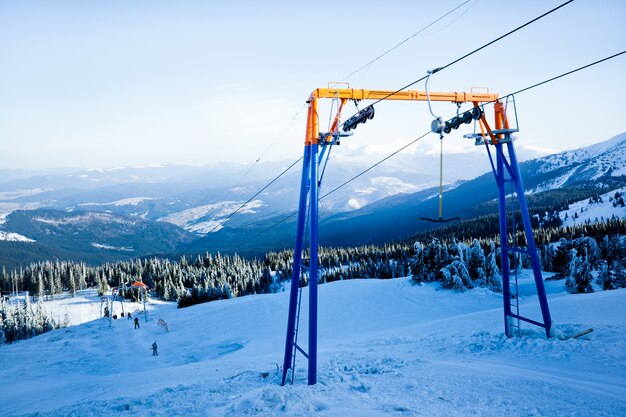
(312,131)
(407,95)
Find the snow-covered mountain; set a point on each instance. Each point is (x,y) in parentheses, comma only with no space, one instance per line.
(14,237)
(382,206)
(210,217)
(602,207)
(173,193)
(386,348)
(93,237)
(593,163)
(602,156)
(550,181)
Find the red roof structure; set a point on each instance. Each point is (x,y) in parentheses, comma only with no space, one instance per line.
(138,284)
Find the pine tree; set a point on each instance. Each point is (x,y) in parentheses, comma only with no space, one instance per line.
(103,286)
(72,282)
(493,279)
(605,278)
(580,278)
(451,278)
(584,277)
(476,264)
(167,289)
(619,274)
(463,273)
(433,256)
(562,259)
(2,335)
(418,268)
(40,286)
(547,257)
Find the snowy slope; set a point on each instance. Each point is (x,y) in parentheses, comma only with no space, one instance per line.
(386,348)
(583,211)
(14,237)
(85,306)
(93,237)
(592,163)
(123,202)
(210,218)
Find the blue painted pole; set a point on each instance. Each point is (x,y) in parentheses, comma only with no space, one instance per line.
(530,240)
(297,259)
(504,244)
(313,269)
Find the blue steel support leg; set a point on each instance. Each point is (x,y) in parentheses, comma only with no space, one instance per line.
(504,244)
(530,240)
(297,258)
(313,269)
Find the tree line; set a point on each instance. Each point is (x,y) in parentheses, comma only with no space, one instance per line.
(22,320)
(571,252)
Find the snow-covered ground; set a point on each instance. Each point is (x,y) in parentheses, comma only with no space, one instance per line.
(86,306)
(123,202)
(583,211)
(14,237)
(207,218)
(109,247)
(386,348)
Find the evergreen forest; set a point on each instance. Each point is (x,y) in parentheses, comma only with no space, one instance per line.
(572,253)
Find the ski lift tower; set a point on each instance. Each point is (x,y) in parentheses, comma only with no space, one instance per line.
(507,174)
(317,147)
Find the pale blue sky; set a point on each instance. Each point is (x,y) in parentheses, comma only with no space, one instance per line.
(110,83)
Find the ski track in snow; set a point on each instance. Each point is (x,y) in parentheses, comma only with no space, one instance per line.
(386,348)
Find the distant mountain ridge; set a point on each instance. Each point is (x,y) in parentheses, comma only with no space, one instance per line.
(171,192)
(605,160)
(94,237)
(165,208)
(595,167)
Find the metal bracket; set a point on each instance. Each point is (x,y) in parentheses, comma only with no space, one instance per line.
(332,138)
(480,138)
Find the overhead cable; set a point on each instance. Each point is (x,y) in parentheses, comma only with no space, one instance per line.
(566,73)
(424,135)
(242,206)
(282,132)
(413,83)
(406,40)
(438,69)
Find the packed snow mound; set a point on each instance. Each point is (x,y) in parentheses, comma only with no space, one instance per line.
(386,348)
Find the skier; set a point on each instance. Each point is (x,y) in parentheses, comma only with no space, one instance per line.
(137,323)
(154,349)
(129,317)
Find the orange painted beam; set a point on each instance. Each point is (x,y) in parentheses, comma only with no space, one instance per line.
(344,94)
(406,95)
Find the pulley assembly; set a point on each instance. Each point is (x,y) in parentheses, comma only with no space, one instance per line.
(361,117)
(438,126)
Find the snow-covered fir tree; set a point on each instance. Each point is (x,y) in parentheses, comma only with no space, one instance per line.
(580,278)
(493,280)
(476,263)
(605,278)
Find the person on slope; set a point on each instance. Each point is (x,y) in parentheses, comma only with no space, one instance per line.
(137,323)
(154,349)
